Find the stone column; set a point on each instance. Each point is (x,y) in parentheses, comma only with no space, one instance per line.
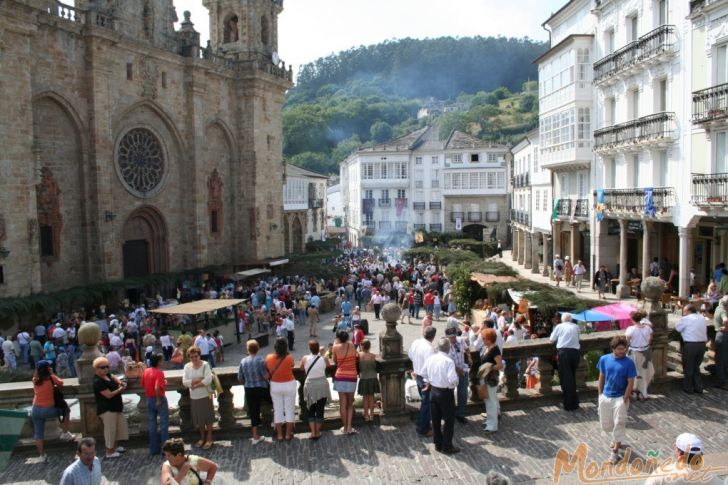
(534,253)
(623,288)
(527,250)
(652,289)
(392,367)
(521,246)
(572,243)
(646,225)
(546,254)
(686,257)
(89,335)
(511,372)
(514,245)
(225,405)
(185,413)
(546,374)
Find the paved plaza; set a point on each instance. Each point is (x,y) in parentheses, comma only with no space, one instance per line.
(523,449)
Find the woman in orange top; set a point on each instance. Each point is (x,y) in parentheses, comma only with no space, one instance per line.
(44,405)
(345,379)
(283,388)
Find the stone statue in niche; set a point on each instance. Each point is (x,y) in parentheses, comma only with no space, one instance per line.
(215,198)
(231,29)
(48,200)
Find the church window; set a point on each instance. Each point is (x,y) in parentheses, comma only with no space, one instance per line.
(140,161)
(46,240)
(213,222)
(129,71)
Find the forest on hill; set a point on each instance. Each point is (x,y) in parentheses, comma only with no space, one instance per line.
(371,94)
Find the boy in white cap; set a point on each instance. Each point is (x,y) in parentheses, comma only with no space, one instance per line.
(686,466)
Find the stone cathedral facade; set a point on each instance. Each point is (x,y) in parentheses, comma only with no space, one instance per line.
(128,148)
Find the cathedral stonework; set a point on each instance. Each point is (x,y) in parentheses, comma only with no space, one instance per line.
(131,149)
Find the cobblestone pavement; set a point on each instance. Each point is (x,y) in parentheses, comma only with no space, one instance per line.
(523,449)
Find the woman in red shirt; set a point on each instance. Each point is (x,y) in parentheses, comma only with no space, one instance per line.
(345,357)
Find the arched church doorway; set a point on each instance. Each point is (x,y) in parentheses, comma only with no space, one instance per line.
(145,243)
(297,235)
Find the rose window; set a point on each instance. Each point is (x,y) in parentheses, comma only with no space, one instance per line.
(140,161)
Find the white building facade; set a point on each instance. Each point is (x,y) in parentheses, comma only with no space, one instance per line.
(566,107)
(530,206)
(421,183)
(642,124)
(304,210)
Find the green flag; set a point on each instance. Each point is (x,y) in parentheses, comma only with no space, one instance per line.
(555,211)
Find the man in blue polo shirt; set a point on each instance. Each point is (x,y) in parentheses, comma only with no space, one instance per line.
(616,380)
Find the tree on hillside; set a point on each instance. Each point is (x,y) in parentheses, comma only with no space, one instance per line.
(381,131)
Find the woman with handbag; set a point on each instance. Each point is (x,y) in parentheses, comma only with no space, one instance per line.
(316,387)
(197,377)
(345,358)
(283,387)
(109,407)
(254,377)
(490,354)
(45,406)
(181,469)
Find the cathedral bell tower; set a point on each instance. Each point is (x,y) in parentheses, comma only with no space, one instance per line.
(246,28)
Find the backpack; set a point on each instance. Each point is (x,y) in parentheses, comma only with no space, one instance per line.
(559,266)
(654,269)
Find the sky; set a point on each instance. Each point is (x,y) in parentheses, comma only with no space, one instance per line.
(309,29)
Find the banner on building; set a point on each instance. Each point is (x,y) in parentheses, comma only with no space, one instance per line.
(555,210)
(649,202)
(367,206)
(600,205)
(399,205)
(458,223)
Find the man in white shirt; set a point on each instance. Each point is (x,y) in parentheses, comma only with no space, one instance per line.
(692,326)
(420,350)
(566,336)
(59,335)
(24,343)
(442,379)
(579,270)
(290,326)
(201,343)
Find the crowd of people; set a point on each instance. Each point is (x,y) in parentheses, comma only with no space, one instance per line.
(279,306)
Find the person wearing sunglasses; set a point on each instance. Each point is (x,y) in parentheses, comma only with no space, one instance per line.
(109,407)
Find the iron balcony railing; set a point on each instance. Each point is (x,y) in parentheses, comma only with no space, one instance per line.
(400,226)
(710,104)
(315,203)
(456,215)
(653,43)
(522,180)
(657,126)
(435,227)
(563,207)
(475,216)
(582,208)
(633,200)
(710,189)
(435,205)
(418,206)
(385,202)
(419,227)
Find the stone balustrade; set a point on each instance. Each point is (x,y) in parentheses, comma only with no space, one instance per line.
(393,367)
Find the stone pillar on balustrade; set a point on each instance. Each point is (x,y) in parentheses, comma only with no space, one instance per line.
(534,252)
(547,255)
(393,364)
(652,288)
(89,335)
(514,245)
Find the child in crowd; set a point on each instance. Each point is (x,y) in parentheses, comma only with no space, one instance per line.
(219,356)
(358,337)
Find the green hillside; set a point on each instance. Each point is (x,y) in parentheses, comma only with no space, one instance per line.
(368,95)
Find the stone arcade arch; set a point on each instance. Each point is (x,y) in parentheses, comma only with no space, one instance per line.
(286,235)
(144,246)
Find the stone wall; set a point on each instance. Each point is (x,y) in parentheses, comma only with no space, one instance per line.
(74,89)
